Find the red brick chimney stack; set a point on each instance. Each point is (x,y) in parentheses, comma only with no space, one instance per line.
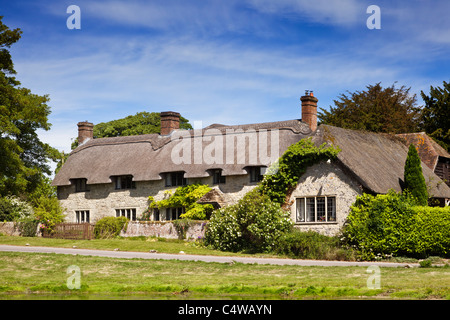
(170,121)
(309,109)
(85,132)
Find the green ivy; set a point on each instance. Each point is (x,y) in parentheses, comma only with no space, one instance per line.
(186,197)
(283,176)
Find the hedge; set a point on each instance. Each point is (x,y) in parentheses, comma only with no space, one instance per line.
(392,225)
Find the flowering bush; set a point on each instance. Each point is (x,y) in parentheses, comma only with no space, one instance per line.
(255,223)
(14,209)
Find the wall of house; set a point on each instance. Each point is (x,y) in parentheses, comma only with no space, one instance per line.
(326,179)
(102,200)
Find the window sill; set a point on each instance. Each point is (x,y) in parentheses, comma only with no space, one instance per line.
(315,223)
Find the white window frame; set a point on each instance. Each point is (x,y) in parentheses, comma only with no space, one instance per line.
(303,214)
(82,216)
(129,213)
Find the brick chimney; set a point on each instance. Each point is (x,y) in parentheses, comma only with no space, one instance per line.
(170,121)
(85,132)
(309,109)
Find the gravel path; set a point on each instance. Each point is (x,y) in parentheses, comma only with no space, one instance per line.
(190,257)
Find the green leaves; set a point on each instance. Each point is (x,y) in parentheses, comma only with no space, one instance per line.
(392,225)
(292,165)
(186,197)
(435,114)
(413,177)
(23,157)
(377,109)
(255,223)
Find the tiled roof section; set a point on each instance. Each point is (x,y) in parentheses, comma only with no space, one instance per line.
(429,151)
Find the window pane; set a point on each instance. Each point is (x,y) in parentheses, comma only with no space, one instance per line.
(320,209)
(310,210)
(331,209)
(300,210)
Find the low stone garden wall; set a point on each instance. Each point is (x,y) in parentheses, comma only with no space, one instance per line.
(11,228)
(164,229)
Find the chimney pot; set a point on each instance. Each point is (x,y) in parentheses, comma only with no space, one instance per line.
(85,132)
(309,110)
(170,121)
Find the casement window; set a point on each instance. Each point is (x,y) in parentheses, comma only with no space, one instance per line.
(175,179)
(130,214)
(80,185)
(124,182)
(174,213)
(156,215)
(256,173)
(316,209)
(82,216)
(218,178)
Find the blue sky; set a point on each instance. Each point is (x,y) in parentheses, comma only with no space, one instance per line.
(231,62)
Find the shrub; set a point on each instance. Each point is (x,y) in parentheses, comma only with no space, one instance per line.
(48,212)
(109,227)
(182,226)
(14,209)
(255,223)
(311,245)
(413,176)
(391,224)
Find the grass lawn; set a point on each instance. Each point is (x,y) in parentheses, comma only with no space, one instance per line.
(33,275)
(43,276)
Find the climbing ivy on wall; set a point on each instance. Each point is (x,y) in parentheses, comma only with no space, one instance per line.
(283,176)
(186,197)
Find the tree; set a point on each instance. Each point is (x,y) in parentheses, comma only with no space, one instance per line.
(388,110)
(140,123)
(23,157)
(413,177)
(435,117)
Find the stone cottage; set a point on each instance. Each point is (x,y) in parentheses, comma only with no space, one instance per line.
(115,176)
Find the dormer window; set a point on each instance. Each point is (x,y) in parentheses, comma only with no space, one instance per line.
(256,173)
(80,185)
(175,179)
(218,178)
(124,182)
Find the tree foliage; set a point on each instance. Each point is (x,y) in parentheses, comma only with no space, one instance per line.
(377,109)
(413,177)
(435,117)
(23,157)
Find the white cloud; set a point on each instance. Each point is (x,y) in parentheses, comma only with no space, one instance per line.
(333,12)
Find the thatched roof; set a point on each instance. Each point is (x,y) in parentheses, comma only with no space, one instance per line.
(147,157)
(376,160)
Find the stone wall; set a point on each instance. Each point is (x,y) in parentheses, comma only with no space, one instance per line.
(326,179)
(10,228)
(103,199)
(163,229)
